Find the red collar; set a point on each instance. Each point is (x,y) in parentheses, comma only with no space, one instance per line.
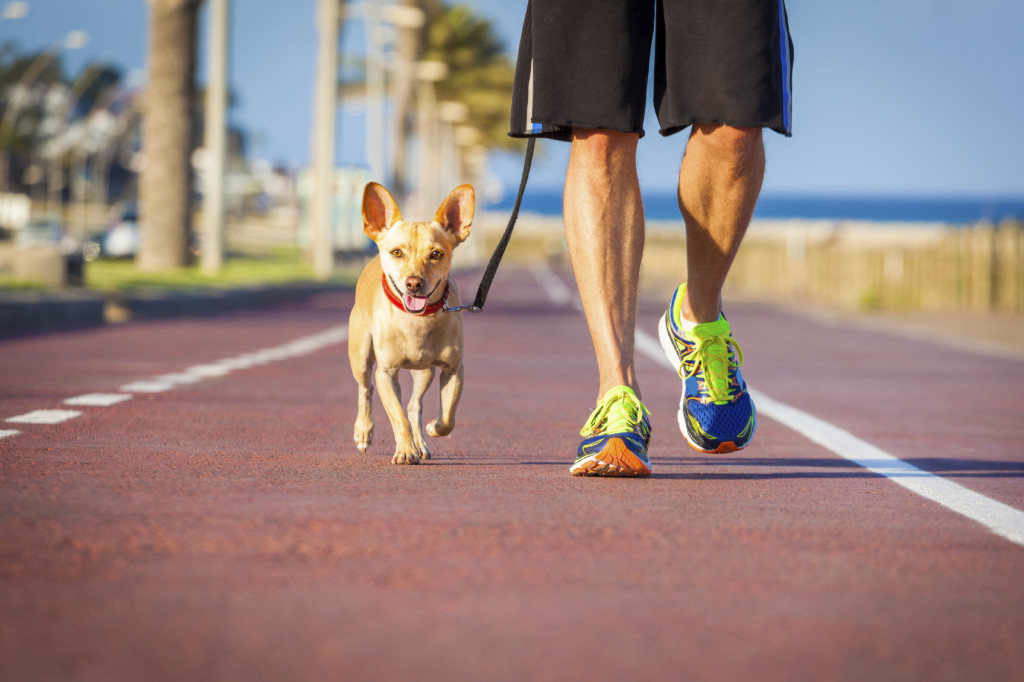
(397,302)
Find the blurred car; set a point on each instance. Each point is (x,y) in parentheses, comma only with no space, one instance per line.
(121,239)
(41,231)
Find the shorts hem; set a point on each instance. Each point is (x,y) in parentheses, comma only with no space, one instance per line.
(562,130)
(674,128)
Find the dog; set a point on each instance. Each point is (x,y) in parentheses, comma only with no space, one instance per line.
(398,319)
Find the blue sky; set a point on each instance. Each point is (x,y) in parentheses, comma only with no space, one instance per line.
(893,97)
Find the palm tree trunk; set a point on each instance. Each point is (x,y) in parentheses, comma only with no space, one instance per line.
(165,184)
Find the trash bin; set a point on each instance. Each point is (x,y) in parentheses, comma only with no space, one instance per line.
(74,269)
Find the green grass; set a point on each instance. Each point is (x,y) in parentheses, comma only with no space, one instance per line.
(281,266)
(8,283)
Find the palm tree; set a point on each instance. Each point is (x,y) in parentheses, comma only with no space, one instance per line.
(165,183)
(480,74)
(22,107)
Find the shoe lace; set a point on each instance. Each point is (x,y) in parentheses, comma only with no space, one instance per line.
(715,356)
(618,412)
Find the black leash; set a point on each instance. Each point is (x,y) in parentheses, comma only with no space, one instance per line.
(499,251)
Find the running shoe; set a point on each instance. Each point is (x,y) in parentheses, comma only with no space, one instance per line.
(716,413)
(615,437)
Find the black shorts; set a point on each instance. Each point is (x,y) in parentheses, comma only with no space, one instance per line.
(585,63)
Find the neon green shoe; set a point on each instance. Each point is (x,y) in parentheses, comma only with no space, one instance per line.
(615,437)
(716,413)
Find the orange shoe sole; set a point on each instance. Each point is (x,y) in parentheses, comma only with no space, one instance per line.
(614,460)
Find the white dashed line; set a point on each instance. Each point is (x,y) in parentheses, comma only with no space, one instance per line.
(44,417)
(98,399)
(147,386)
(176,378)
(192,375)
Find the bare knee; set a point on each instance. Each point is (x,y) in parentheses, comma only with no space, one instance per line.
(740,145)
(603,147)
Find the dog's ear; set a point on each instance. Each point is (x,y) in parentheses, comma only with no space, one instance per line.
(380,211)
(456,212)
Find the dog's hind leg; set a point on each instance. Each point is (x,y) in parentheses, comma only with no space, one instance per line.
(421,380)
(451,392)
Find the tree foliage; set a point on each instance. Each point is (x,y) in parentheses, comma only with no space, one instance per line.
(480,73)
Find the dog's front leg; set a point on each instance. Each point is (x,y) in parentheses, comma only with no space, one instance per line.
(390,393)
(421,379)
(451,392)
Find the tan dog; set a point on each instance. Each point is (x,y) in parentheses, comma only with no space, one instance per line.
(397,321)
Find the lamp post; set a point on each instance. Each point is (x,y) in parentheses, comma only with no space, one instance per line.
(325,109)
(215,139)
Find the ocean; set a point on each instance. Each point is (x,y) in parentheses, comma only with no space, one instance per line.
(951,210)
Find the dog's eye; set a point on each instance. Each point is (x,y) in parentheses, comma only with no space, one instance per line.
(436,255)
(396,253)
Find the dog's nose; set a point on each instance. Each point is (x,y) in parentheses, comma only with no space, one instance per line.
(414,284)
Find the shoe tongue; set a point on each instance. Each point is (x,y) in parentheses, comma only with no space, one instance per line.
(414,304)
(719,327)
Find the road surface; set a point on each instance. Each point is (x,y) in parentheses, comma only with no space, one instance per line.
(182,499)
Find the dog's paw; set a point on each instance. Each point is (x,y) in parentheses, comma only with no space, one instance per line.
(422,449)
(406,458)
(435,430)
(363,438)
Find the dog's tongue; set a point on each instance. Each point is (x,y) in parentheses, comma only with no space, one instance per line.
(414,304)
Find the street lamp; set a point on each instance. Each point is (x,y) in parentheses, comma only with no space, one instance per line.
(325,102)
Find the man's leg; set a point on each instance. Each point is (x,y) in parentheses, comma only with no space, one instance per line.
(719,182)
(604,227)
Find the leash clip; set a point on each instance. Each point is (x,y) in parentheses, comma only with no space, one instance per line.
(460,308)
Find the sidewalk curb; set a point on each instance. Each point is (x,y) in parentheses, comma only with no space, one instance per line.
(32,311)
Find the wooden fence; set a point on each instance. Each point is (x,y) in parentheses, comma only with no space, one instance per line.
(866,265)
(842,264)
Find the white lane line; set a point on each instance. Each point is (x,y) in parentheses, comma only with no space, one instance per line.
(1001,519)
(98,399)
(4,433)
(44,417)
(147,386)
(207,371)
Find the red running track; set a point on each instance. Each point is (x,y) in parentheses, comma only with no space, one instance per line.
(228,529)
